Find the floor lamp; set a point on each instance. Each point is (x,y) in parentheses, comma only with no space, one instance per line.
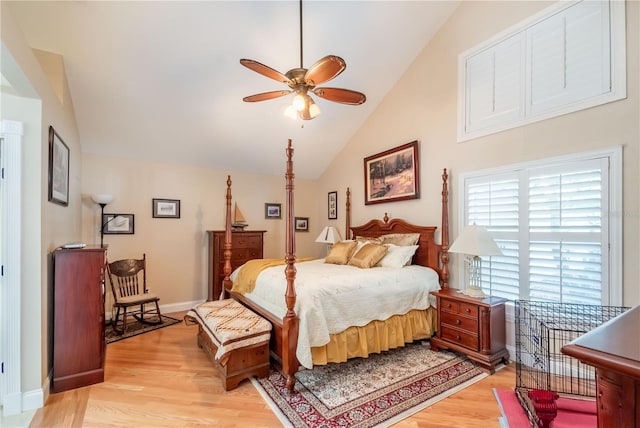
(475,242)
(102,200)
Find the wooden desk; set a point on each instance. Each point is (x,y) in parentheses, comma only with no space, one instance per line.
(614,350)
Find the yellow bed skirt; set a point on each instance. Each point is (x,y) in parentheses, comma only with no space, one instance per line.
(377,336)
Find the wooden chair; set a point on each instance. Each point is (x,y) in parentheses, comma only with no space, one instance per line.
(128,278)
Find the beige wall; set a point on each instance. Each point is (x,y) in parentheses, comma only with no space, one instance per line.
(44,225)
(177,248)
(423,106)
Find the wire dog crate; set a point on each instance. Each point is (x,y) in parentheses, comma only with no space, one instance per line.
(543,372)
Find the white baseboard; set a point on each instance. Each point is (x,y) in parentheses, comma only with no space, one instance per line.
(168,308)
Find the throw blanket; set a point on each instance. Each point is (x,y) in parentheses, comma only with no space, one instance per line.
(245,282)
(246,279)
(229,325)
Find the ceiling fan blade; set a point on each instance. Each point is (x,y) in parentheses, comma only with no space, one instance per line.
(339,95)
(324,70)
(265,70)
(266,96)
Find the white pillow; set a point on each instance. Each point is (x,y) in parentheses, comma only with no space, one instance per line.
(397,256)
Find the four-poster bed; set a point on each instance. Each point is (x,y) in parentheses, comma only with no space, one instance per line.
(286,326)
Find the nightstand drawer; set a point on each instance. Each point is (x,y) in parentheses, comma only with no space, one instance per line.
(467,309)
(468,324)
(450,305)
(457,336)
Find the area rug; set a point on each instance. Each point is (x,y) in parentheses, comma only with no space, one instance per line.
(572,413)
(368,392)
(135,328)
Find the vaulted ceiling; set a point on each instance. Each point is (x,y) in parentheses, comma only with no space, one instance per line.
(161,80)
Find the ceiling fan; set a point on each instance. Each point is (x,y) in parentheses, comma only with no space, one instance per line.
(301,81)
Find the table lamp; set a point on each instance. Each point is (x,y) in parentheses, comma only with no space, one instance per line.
(475,242)
(330,236)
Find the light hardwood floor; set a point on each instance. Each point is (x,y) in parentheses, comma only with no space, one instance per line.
(162,379)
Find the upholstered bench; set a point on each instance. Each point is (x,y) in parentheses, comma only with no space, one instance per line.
(235,338)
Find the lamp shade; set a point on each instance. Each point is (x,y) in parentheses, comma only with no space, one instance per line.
(101,198)
(329,235)
(476,241)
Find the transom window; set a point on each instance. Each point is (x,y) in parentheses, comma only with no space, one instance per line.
(553,221)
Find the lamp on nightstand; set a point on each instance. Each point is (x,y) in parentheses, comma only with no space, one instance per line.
(330,236)
(475,242)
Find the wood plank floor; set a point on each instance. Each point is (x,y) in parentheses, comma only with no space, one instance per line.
(162,379)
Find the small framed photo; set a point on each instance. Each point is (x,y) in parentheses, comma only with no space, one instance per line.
(166,208)
(332,205)
(302,224)
(58,169)
(118,224)
(272,210)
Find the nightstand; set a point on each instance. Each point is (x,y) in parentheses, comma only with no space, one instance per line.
(472,326)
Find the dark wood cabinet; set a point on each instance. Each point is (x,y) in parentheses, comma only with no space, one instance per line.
(246,245)
(472,326)
(78,317)
(613,351)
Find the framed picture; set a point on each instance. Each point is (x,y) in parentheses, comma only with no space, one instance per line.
(117,224)
(302,224)
(166,208)
(58,169)
(392,175)
(332,205)
(272,210)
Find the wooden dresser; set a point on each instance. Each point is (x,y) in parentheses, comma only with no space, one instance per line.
(614,350)
(246,245)
(472,326)
(78,317)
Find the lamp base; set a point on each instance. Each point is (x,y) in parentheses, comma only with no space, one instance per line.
(474,292)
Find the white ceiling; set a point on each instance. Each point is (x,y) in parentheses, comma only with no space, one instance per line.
(161,80)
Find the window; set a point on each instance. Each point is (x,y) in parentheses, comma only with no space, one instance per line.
(553,221)
(569,57)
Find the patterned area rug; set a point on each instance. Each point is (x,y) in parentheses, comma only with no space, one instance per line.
(135,328)
(368,392)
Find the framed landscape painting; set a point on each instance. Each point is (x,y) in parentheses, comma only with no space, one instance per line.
(392,175)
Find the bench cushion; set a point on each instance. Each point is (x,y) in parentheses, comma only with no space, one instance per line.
(229,325)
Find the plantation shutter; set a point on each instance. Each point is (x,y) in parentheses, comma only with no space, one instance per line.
(550,224)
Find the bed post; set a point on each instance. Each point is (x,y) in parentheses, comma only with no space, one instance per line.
(290,321)
(226,282)
(347,230)
(445,230)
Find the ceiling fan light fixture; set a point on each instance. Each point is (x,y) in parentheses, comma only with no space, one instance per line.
(291,112)
(314,110)
(300,101)
(301,80)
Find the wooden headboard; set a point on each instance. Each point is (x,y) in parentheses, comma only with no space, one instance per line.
(429,253)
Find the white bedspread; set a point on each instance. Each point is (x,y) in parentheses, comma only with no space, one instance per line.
(331,297)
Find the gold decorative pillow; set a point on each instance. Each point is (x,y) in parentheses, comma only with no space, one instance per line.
(401,239)
(369,239)
(341,252)
(368,256)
